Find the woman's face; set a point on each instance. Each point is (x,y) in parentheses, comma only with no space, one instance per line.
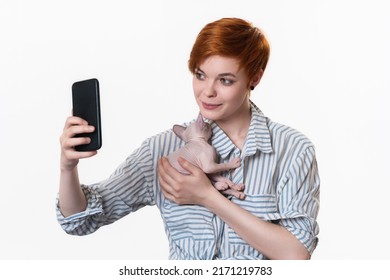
(220,89)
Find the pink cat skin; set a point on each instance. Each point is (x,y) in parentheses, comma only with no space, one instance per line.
(200,153)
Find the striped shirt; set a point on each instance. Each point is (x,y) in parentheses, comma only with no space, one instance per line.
(282,186)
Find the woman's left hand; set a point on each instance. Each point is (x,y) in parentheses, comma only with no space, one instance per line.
(184,189)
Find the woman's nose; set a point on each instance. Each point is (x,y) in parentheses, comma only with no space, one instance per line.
(210,90)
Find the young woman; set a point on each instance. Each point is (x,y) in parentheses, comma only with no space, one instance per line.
(277,218)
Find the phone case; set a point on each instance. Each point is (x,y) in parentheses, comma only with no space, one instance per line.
(86,105)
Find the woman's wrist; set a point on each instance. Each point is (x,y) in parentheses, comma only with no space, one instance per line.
(212,196)
(68,165)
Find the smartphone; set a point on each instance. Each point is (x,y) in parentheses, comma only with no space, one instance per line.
(86,105)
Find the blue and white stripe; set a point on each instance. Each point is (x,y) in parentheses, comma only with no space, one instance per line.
(278,168)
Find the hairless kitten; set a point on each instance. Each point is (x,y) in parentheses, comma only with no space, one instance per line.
(200,153)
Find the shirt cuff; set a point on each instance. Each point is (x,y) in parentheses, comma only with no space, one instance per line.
(73,223)
(304,230)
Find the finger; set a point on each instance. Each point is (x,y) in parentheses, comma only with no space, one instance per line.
(72,120)
(168,171)
(70,143)
(78,129)
(171,180)
(69,136)
(72,154)
(168,195)
(164,187)
(162,175)
(168,191)
(192,169)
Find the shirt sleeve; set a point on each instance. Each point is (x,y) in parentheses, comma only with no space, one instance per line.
(299,199)
(128,189)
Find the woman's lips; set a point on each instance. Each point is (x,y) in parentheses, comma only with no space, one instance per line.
(209,106)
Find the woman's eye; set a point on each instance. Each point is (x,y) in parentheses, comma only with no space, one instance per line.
(199,76)
(226,82)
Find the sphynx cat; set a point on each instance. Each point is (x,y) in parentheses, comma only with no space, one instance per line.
(200,153)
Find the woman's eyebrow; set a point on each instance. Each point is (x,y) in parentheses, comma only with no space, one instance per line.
(199,70)
(219,75)
(227,74)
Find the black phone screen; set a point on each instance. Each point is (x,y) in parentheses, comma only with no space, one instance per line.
(86,105)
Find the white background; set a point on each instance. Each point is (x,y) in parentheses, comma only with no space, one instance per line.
(327,77)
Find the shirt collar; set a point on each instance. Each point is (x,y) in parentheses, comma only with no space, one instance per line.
(258,137)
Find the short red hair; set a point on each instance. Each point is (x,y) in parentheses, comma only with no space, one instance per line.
(232,37)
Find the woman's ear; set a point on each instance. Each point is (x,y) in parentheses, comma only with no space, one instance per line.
(256,79)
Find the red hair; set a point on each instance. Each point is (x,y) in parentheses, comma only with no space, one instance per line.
(232,37)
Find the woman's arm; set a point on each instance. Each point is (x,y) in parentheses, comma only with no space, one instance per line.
(273,241)
(71,197)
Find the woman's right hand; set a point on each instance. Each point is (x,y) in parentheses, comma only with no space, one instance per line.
(69,156)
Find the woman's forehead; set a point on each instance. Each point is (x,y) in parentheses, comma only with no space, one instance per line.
(220,64)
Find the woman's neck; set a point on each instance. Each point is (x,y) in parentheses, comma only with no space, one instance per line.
(236,127)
